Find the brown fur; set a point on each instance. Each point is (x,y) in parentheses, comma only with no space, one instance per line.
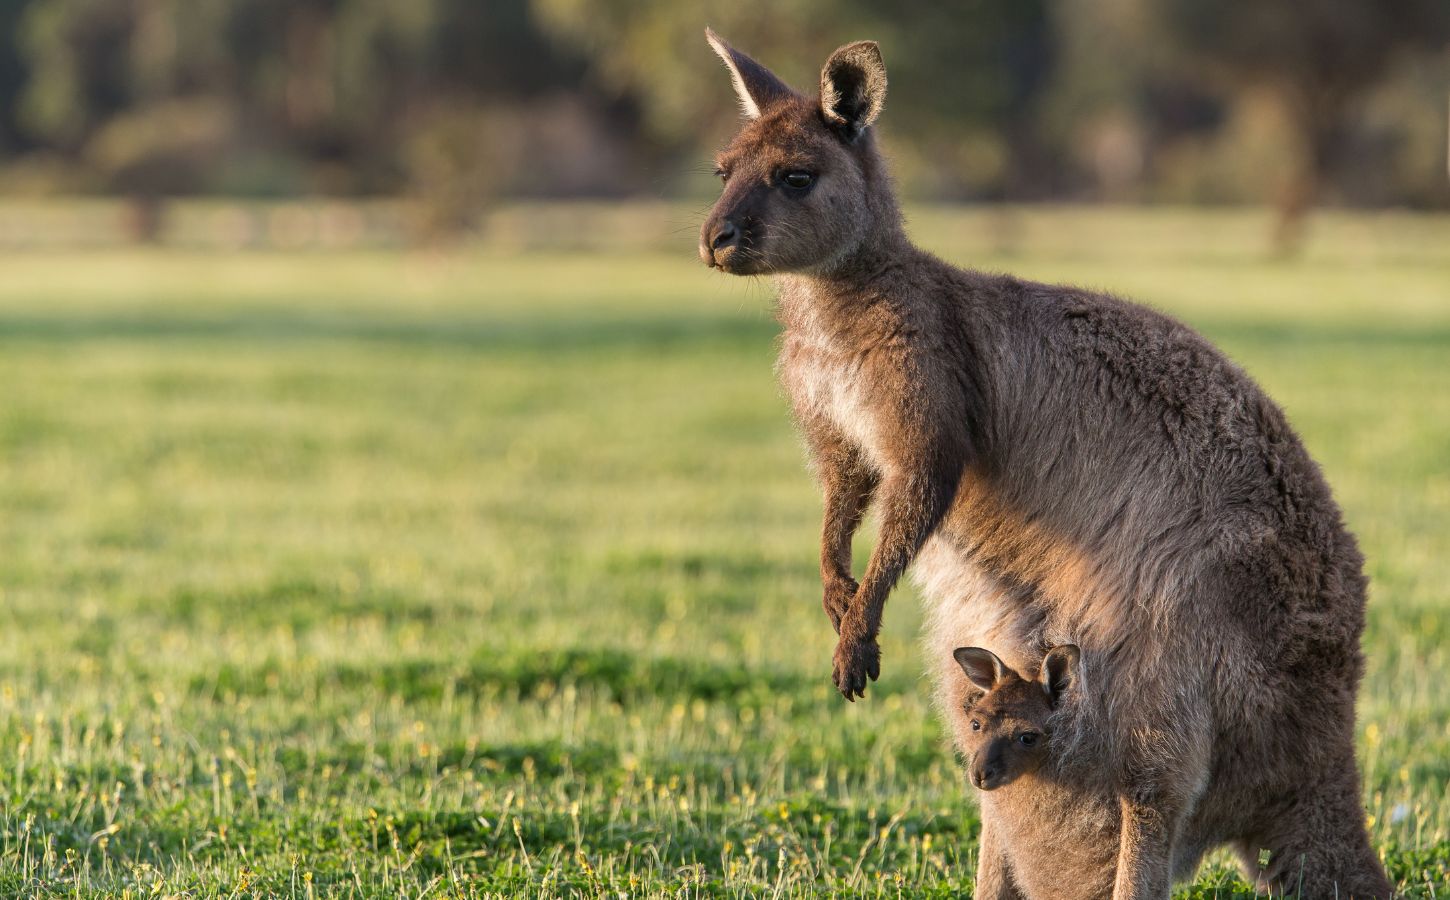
(1062,466)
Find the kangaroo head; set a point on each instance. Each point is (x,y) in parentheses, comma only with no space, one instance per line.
(804,184)
(1008,727)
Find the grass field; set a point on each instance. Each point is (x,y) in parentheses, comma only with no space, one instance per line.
(493,574)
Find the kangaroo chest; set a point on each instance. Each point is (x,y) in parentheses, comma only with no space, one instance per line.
(831,384)
(828,366)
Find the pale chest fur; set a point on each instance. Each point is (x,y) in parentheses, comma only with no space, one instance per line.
(827,385)
(1062,841)
(828,381)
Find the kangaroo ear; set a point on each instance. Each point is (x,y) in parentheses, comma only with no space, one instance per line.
(756,86)
(1059,670)
(853,88)
(983,668)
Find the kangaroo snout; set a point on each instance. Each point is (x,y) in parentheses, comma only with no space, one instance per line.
(719,239)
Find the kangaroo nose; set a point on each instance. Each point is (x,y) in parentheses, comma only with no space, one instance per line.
(725,235)
(718,242)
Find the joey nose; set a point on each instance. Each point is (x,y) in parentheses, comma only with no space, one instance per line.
(982,776)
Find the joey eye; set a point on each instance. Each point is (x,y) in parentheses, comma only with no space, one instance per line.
(1027,738)
(798,179)
(976,726)
(722,174)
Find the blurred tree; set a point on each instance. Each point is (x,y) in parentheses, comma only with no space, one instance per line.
(157,151)
(1317,56)
(12,74)
(1112,105)
(79,55)
(964,77)
(165,97)
(76,52)
(457,91)
(455,102)
(968,81)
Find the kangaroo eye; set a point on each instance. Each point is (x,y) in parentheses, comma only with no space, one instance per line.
(722,174)
(798,179)
(1027,738)
(976,726)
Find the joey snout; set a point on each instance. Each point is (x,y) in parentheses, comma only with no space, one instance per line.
(987,771)
(1001,762)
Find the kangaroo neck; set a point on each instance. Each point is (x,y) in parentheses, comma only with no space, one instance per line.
(859,276)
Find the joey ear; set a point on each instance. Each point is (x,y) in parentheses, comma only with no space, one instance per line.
(983,668)
(853,88)
(755,85)
(1059,670)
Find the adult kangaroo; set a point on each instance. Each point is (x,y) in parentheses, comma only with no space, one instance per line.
(1063,467)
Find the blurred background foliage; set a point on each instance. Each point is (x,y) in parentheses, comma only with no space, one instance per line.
(454,104)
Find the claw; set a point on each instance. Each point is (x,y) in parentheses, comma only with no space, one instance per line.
(857,662)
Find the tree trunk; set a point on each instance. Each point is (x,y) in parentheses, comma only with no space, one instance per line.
(1291,211)
(145,215)
(1316,118)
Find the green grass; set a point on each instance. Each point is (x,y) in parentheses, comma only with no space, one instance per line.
(484,574)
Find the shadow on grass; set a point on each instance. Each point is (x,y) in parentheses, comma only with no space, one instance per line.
(616,675)
(476,334)
(569,331)
(1248,334)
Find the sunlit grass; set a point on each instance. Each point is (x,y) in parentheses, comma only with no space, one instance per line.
(388,575)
